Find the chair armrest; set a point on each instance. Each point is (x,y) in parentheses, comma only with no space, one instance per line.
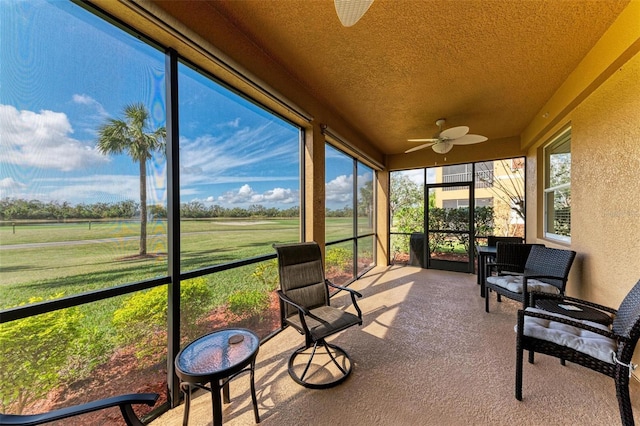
(567,321)
(511,267)
(550,277)
(123,401)
(302,311)
(351,292)
(537,295)
(286,299)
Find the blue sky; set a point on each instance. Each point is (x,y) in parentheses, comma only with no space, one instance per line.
(63,72)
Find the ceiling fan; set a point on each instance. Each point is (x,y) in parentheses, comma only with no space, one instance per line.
(350,11)
(445,139)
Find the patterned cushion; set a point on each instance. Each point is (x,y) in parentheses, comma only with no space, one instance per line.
(584,341)
(513,283)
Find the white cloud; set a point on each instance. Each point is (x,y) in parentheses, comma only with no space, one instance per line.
(10,183)
(235,123)
(281,195)
(43,140)
(105,188)
(208,158)
(340,189)
(246,195)
(11,188)
(89,101)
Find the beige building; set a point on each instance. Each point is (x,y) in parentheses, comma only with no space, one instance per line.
(498,184)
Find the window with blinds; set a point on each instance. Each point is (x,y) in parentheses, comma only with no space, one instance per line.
(557,189)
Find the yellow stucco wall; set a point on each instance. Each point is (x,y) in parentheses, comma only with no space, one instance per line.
(603,111)
(605,181)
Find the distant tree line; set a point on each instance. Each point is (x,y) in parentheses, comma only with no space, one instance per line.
(20,209)
(16,208)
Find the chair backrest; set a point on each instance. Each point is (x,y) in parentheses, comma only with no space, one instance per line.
(492,240)
(549,261)
(513,256)
(302,275)
(627,321)
(627,324)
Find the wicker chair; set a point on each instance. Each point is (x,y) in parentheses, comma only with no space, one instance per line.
(510,259)
(305,305)
(125,403)
(592,345)
(493,240)
(546,270)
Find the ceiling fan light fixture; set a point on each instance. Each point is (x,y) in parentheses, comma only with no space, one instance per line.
(442,147)
(350,11)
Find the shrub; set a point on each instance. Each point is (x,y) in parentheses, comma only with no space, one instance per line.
(142,319)
(339,258)
(267,274)
(33,353)
(247,303)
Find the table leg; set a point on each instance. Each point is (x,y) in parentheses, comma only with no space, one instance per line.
(216,402)
(186,388)
(253,392)
(482,264)
(225,393)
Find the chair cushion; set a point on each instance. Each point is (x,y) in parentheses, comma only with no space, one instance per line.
(333,320)
(596,345)
(513,283)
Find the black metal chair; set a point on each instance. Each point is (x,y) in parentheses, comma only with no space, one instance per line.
(546,270)
(510,259)
(589,344)
(125,403)
(305,305)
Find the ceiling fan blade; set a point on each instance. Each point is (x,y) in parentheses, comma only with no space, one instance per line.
(424,145)
(350,11)
(469,139)
(454,132)
(434,140)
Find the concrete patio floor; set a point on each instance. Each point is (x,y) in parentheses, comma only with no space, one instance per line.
(427,354)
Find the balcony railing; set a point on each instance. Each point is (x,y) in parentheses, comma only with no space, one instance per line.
(484,179)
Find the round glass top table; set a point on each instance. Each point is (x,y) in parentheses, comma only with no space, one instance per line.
(216,358)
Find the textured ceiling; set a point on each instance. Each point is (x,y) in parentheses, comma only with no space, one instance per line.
(489,65)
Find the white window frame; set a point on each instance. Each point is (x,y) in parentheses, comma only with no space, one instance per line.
(560,144)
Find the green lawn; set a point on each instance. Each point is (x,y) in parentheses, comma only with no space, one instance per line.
(49,261)
(69,258)
(105,257)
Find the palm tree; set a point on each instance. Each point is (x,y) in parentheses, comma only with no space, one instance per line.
(132,135)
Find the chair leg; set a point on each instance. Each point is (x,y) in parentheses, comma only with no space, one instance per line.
(304,373)
(519,356)
(531,357)
(326,347)
(334,352)
(624,401)
(519,353)
(486,299)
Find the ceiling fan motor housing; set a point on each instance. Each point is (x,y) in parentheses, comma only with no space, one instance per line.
(442,147)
